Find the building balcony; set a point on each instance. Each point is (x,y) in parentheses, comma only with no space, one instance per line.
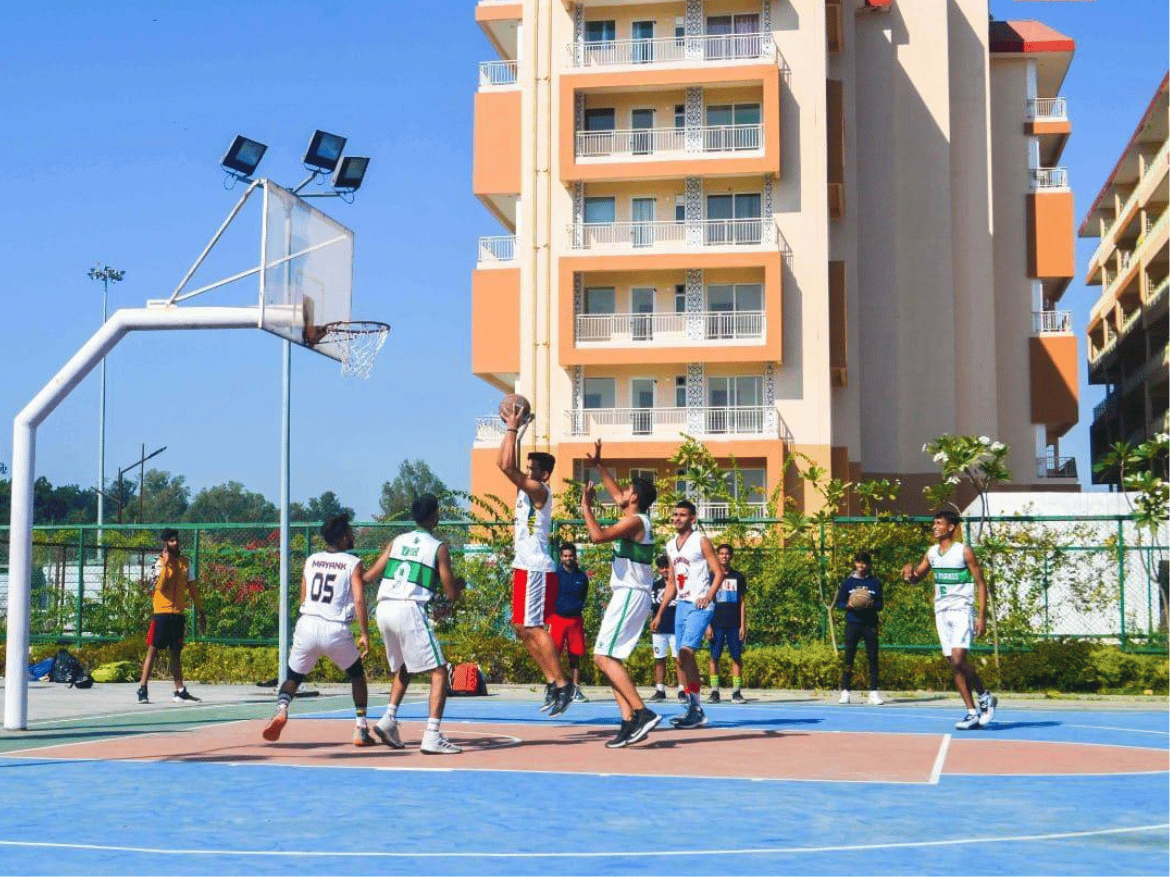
(682,50)
(1158,362)
(658,143)
(489,429)
(498,251)
(670,329)
(1056,467)
(1044,178)
(1051,322)
(1106,406)
(674,236)
(1045,109)
(495,74)
(755,421)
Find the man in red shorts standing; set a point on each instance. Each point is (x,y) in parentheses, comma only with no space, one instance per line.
(534,578)
(566,624)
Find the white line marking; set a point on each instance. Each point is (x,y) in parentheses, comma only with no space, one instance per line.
(566,854)
(25,753)
(939,760)
(1130,730)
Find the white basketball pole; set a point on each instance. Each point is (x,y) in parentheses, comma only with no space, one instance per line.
(24,432)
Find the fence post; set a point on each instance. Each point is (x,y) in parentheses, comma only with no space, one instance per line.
(1047,620)
(80,581)
(1121,575)
(198,576)
(825,620)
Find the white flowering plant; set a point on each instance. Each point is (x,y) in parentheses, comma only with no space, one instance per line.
(979,460)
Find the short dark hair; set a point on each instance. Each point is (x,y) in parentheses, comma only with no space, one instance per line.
(168,534)
(545,461)
(424,508)
(864,557)
(730,550)
(334,529)
(948,515)
(568,546)
(645,491)
(662,562)
(688,505)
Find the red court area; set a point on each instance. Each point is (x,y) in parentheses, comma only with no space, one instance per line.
(745,753)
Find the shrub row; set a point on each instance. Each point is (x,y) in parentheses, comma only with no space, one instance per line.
(1061,666)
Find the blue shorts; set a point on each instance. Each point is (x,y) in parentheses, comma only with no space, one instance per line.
(690,624)
(730,636)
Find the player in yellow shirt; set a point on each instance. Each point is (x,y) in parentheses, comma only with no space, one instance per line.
(174,582)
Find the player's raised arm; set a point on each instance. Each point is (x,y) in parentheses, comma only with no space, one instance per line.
(627,528)
(594,461)
(515,425)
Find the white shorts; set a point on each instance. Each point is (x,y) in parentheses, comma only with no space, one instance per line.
(621,626)
(315,636)
(409,636)
(664,645)
(954,628)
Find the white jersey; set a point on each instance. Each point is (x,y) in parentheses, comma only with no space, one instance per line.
(412,572)
(954,586)
(692,576)
(532,531)
(633,562)
(328,592)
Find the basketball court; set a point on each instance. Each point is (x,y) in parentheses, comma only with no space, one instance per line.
(787,783)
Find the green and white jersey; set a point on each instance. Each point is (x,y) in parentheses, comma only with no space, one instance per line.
(633,562)
(954,586)
(412,571)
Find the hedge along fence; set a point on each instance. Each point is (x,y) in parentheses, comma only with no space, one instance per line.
(1054,578)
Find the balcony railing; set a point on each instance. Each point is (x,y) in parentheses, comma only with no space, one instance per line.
(489,428)
(658,141)
(1106,405)
(1046,108)
(671,328)
(1051,322)
(672,50)
(706,233)
(1049,178)
(1156,294)
(1152,228)
(1056,467)
(754,420)
(497,73)
(497,249)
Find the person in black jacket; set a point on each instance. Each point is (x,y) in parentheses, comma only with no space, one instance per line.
(861,624)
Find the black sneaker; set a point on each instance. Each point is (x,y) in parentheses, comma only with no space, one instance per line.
(549,697)
(713,697)
(658,697)
(737,697)
(562,699)
(682,696)
(142,698)
(644,722)
(622,737)
(184,696)
(695,718)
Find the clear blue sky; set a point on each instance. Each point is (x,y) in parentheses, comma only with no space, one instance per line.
(118,114)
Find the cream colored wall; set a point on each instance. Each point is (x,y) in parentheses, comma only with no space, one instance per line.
(1013,288)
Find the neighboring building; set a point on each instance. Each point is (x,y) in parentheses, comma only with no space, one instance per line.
(1127,326)
(838,229)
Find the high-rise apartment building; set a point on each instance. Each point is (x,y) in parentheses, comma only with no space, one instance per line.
(1127,326)
(838,229)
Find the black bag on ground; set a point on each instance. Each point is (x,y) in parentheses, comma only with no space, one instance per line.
(68,669)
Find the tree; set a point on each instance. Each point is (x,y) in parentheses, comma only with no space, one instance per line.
(319,508)
(165,497)
(414,478)
(230,503)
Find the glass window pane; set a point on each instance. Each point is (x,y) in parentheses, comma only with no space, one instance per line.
(599,393)
(719,206)
(600,210)
(599,119)
(599,300)
(720,115)
(748,391)
(718,24)
(749,297)
(680,299)
(747,206)
(747,114)
(680,392)
(680,115)
(600,31)
(720,298)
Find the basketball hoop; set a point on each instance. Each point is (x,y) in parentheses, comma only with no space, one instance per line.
(356,342)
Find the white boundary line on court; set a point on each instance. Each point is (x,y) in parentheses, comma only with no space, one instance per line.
(27,753)
(1130,730)
(567,854)
(940,760)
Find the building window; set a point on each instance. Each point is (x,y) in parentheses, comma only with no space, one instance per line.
(600,210)
(734,219)
(600,300)
(680,391)
(599,119)
(599,393)
(735,404)
(733,309)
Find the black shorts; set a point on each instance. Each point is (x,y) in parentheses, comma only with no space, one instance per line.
(166,631)
(728,636)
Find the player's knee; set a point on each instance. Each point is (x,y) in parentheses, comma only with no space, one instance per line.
(296,677)
(355,671)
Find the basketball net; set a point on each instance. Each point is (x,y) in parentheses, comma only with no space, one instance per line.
(358,342)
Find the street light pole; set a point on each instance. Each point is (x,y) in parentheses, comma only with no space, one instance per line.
(106,275)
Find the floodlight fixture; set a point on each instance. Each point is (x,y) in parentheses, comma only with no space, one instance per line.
(324,151)
(350,173)
(243,156)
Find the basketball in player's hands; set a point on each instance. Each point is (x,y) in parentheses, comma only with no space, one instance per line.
(514,403)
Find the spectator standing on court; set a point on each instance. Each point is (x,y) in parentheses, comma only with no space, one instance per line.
(695,576)
(174,580)
(958,586)
(631,576)
(534,578)
(662,640)
(566,625)
(861,624)
(728,625)
(331,599)
(413,568)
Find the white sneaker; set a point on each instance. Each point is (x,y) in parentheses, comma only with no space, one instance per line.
(969,721)
(987,704)
(844,697)
(875,699)
(389,735)
(434,743)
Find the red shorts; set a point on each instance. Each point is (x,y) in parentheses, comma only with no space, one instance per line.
(567,632)
(533,596)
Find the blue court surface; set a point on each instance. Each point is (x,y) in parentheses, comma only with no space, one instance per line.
(1061,790)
